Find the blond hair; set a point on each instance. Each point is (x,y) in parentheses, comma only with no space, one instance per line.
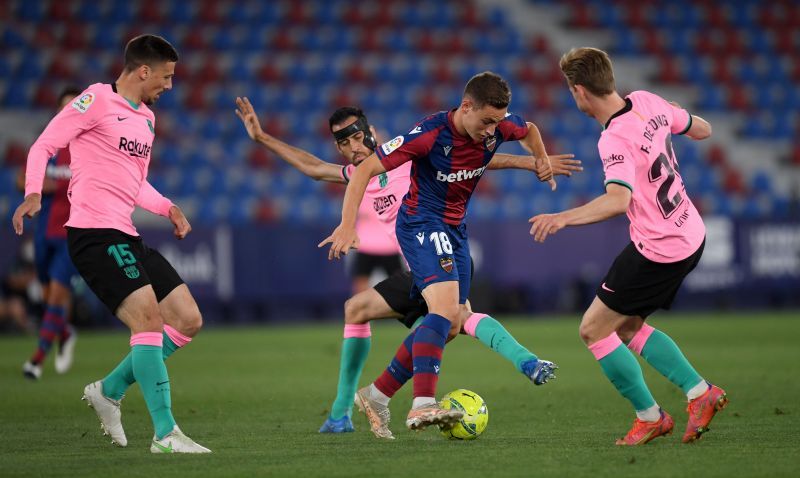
(590,68)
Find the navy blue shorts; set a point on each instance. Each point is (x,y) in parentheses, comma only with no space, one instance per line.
(53,262)
(436,252)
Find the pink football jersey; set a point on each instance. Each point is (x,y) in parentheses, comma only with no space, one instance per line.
(110,142)
(381,202)
(636,149)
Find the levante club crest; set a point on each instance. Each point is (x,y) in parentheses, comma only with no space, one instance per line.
(447,264)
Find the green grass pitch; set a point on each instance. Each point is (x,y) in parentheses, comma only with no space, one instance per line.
(256,396)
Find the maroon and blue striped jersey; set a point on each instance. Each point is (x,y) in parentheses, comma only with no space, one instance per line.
(446,165)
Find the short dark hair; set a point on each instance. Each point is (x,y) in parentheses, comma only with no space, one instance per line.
(590,68)
(343,113)
(488,88)
(68,91)
(148,50)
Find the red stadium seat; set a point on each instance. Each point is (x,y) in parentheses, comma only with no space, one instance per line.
(207,72)
(669,72)
(45,37)
(265,212)
(45,96)
(716,156)
(74,36)
(60,10)
(60,67)
(196,98)
(16,153)
(733,182)
(260,158)
(209,12)
(150,11)
(739,97)
(194,39)
(794,157)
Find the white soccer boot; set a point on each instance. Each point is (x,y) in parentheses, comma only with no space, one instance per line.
(108,411)
(31,371)
(66,353)
(176,442)
(377,414)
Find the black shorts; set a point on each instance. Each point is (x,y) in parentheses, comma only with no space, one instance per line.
(115,264)
(396,291)
(637,286)
(365,264)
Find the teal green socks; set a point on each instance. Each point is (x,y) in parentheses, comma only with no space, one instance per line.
(149,370)
(355,348)
(492,333)
(116,383)
(660,351)
(622,369)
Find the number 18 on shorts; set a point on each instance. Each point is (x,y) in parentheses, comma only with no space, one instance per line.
(436,252)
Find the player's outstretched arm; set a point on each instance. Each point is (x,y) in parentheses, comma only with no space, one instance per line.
(562,164)
(182,226)
(303,161)
(533,142)
(613,203)
(700,129)
(344,237)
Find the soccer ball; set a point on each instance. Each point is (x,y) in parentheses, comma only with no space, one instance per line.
(476,415)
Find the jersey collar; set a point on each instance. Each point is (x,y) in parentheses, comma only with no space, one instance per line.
(628,106)
(114,89)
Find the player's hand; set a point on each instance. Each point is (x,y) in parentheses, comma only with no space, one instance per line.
(544,171)
(246,113)
(545,225)
(29,208)
(182,226)
(342,240)
(564,165)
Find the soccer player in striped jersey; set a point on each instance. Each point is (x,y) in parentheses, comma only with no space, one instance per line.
(110,130)
(355,140)
(53,265)
(667,240)
(449,152)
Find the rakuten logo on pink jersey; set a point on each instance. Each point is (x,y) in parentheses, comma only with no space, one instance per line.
(134,147)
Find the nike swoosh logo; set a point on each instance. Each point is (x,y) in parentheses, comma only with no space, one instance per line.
(605,287)
(162,383)
(121,118)
(163,448)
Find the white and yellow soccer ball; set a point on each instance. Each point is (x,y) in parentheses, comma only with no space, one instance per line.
(476,414)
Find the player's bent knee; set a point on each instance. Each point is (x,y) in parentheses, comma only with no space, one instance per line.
(192,323)
(355,311)
(587,331)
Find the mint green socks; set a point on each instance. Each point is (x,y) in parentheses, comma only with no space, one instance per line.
(622,369)
(355,348)
(149,370)
(116,383)
(492,333)
(660,351)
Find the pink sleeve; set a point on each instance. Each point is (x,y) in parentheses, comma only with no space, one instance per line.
(68,124)
(618,161)
(151,200)
(347,172)
(681,119)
